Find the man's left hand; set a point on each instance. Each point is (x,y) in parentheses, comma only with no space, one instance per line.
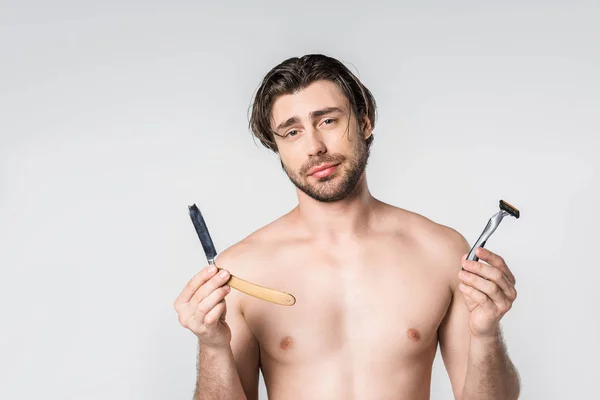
(489,291)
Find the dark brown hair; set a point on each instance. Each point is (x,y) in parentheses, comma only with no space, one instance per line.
(297,73)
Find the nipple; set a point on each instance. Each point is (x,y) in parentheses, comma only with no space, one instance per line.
(286,343)
(414,334)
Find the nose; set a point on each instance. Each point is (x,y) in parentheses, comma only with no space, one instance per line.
(316,145)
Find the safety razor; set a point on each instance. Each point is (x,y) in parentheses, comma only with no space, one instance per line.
(505,210)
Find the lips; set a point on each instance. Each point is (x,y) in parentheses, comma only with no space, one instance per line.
(320,168)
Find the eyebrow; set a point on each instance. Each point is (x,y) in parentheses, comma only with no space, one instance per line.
(314,114)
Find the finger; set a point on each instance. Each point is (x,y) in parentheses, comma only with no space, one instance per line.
(496,261)
(216,313)
(479,297)
(209,302)
(488,288)
(492,274)
(192,286)
(209,286)
(467,297)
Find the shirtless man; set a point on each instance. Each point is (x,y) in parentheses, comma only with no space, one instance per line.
(377,286)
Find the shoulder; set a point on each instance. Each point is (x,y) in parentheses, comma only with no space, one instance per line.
(248,259)
(442,245)
(447,241)
(422,227)
(249,254)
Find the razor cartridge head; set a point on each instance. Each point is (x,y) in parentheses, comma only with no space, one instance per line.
(509,209)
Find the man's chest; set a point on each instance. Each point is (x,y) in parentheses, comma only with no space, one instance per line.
(373,310)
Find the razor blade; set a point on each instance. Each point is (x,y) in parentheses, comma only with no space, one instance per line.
(203,234)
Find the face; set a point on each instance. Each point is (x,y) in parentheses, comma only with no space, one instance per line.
(320,142)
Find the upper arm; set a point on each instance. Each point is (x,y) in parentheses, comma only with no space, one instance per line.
(454,333)
(244,345)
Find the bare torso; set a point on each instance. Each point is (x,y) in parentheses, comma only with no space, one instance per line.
(365,324)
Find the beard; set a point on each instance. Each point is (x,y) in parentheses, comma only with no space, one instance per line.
(341,182)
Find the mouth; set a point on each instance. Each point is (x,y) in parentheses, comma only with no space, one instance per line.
(322,170)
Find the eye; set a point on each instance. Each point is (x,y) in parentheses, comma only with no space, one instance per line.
(329,121)
(291,133)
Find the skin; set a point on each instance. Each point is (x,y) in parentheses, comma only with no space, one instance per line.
(378,288)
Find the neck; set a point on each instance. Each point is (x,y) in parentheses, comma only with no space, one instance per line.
(338,220)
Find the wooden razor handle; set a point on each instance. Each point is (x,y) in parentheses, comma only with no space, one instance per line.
(261,292)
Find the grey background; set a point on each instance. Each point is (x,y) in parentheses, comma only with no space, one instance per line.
(114,116)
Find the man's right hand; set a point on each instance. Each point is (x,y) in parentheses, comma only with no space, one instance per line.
(201,307)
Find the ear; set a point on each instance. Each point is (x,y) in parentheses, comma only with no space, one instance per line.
(366,126)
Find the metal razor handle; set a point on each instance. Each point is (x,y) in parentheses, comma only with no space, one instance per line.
(505,210)
(479,243)
(487,232)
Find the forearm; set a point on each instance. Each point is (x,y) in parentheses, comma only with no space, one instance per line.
(217,378)
(491,374)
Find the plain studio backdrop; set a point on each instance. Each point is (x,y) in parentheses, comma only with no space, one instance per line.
(115,117)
